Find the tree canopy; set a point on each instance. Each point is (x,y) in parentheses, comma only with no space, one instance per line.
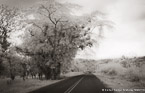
(51,38)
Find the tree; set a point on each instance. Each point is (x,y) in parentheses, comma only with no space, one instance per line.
(9,23)
(54,39)
(1,64)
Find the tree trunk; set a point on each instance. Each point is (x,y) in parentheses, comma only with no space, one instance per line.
(12,76)
(56,72)
(47,73)
(12,71)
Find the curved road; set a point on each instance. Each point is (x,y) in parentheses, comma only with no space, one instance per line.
(76,84)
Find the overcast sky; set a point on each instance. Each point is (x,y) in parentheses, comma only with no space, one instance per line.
(128,36)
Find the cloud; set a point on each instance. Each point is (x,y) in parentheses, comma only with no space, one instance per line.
(129,36)
(92,5)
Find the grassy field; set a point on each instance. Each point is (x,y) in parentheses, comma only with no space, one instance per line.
(20,86)
(122,73)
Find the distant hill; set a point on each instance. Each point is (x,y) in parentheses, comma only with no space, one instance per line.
(90,64)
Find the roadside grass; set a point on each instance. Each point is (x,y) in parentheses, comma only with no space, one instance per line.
(118,83)
(70,74)
(111,69)
(20,86)
(133,73)
(116,76)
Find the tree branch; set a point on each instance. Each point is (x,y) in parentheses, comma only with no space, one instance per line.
(34,24)
(49,14)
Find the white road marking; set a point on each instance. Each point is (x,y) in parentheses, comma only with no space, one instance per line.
(73,86)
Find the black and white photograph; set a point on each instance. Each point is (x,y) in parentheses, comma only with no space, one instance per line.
(72,46)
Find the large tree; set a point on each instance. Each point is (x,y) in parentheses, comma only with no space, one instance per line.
(55,36)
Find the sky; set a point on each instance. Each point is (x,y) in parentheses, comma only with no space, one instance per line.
(128,35)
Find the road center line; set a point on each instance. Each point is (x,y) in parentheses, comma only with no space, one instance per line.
(73,86)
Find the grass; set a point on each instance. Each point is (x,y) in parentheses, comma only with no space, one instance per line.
(122,76)
(115,82)
(136,73)
(20,86)
(128,71)
(111,69)
(70,74)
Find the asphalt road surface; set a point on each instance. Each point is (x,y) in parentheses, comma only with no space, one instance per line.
(76,84)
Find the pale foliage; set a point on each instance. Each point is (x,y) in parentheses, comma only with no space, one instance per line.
(56,35)
(112,69)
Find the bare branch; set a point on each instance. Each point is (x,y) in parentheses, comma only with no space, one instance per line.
(31,33)
(51,42)
(49,14)
(34,24)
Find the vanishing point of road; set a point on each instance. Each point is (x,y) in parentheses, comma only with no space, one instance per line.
(76,84)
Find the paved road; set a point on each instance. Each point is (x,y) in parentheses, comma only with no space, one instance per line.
(76,84)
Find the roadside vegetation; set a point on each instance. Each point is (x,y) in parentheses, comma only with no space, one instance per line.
(20,86)
(120,73)
(129,68)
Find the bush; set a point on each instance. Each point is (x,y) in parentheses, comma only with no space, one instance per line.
(112,69)
(135,73)
(125,64)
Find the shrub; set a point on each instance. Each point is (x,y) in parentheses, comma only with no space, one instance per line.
(112,69)
(135,73)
